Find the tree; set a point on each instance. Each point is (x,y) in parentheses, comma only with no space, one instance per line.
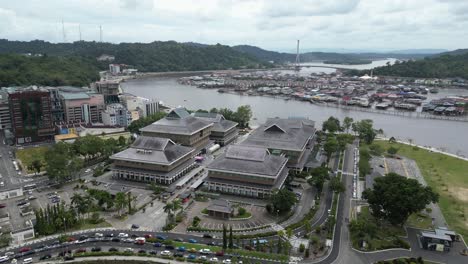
(289,232)
(392,151)
(365,130)
(332,125)
(224,237)
(337,185)
(279,246)
(36,165)
(241,211)
(243,115)
(330,147)
(343,140)
(57,160)
(282,200)
(231,245)
(319,175)
(394,198)
(120,201)
(347,122)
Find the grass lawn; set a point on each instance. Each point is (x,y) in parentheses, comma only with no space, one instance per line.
(448,176)
(245,215)
(420,220)
(28,155)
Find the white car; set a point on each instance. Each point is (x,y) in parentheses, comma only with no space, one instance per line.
(87,171)
(98,235)
(122,235)
(2,184)
(227,261)
(166,253)
(205,251)
(214,259)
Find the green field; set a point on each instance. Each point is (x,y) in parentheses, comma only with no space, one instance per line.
(28,155)
(448,176)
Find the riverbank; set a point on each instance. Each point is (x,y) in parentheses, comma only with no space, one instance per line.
(188,73)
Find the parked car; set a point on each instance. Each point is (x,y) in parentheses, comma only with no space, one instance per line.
(207,236)
(161,237)
(181,249)
(152,252)
(192,256)
(166,253)
(170,247)
(214,259)
(135,226)
(220,253)
(123,235)
(80,250)
(192,240)
(157,244)
(3,205)
(141,251)
(96,249)
(47,256)
(205,251)
(113,250)
(179,239)
(25,249)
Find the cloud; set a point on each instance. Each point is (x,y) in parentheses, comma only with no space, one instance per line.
(271,24)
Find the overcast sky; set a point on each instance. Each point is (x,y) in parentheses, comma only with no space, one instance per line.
(270,24)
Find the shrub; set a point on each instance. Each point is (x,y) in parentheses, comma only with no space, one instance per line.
(307,253)
(301,248)
(241,211)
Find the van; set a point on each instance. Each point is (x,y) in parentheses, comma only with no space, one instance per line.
(27,260)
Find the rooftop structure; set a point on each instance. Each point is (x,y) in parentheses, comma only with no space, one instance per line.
(247,170)
(220,208)
(224,131)
(153,159)
(116,115)
(289,137)
(182,128)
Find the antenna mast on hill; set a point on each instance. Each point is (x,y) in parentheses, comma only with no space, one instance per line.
(100,33)
(63,32)
(297,66)
(79,30)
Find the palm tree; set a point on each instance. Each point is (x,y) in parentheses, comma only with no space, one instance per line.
(176,204)
(168,209)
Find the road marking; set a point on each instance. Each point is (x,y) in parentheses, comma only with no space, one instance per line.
(404,168)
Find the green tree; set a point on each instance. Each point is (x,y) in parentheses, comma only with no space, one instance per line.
(330,147)
(231,244)
(347,122)
(224,237)
(395,198)
(279,246)
(36,165)
(120,201)
(282,200)
(243,115)
(332,125)
(337,185)
(365,130)
(241,211)
(319,175)
(392,151)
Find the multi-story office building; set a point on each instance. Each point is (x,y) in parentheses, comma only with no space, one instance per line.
(116,115)
(31,115)
(56,104)
(247,171)
(182,128)
(110,89)
(143,106)
(153,159)
(5,119)
(290,137)
(224,131)
(82,106)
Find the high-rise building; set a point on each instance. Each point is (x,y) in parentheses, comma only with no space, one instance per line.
(116,115)
(5,119)
(82,106)
(31,115)
(110,89)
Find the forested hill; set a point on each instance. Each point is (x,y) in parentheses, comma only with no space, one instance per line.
(17,70)
(281,57)
(443,66)
(156,56)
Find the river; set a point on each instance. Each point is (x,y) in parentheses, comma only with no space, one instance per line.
(447,136)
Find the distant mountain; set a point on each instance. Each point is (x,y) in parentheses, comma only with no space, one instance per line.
(455,52)
(419,51)
(449,65)
(158,56)
(281,57)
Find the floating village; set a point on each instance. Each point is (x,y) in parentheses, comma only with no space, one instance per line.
(394,94)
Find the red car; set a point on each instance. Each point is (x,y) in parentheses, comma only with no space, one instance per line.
(220,253)
(148,236)
(25,249)
(2,205)
(71,239)
(80,250)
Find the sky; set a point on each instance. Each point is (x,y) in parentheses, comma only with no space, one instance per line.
(270,24)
